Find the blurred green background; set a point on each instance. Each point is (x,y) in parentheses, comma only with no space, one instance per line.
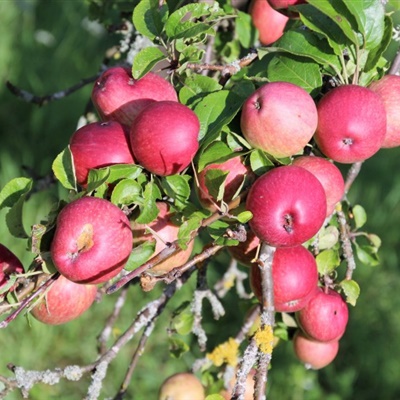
(47,46)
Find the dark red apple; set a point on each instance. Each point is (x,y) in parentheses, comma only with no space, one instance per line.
(99,144)
(325,316)
(279,4)
(328,174)
(351,124)
(163,230)
(388,88)
(117,96)
(313,354)
(64,302)
(92,240)
(9,265)
(279,118)
(269,23)
(294,276)
(182,386)
(164,137)
(288,204)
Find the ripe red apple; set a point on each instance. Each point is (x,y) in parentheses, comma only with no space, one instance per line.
(279,118)
(279,4)
(328,174)
(315,355)
(92,240)
(294,276)
(237,172)
(9,265)
(288,204)
(388,88)
(117,96)
(182,386)
(245,252)
(325,316)
(164,137)
(351,124)
(64,302)
(269,23)
(99,144)
(165,231)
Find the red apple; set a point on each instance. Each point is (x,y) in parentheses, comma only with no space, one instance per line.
(328,174)
(315,355)
(279,118)
(162,230)
(245,252)
(64,302)
(164,137)
(294,276)
(117,96)
(325,316)
(351,124)
(92,240)
(9,265)
(288,204)
(99,144)
(388,88)
(279,4)
(182,386)
(269,23)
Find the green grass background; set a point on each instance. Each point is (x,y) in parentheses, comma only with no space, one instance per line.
(367,366)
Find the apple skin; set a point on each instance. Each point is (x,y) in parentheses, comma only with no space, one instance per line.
(249,387)
(9,264)
(92,241)
(325,316)
(166,232)
(269,23)
(328,174)
(279,4)
(164,137)
(295,278)
(118,96)
(279,118)
(64,302)
(388,88)
(245,252)
(315,355)
(351,124)
(288,204)
(182,386)
(99,144)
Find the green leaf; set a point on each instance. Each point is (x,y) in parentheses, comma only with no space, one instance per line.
(178,188)
(245,30)
(145,60)
(123,171)
(177,347)
(96,178)
(359,215)
(197,86)
(328,237)
(351,290)
(215,183)
(367,255)
(259,162)
(375,240)
(327,261)
(14,190)
(140,254)
(126,191)
(244,217)
(185,230)
(183,318)
(216,153)
(149,17)
(148,208)
(214,397)
(63,169)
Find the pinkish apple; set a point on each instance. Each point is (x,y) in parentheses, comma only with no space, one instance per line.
(279,4)
(182,386)
(9,265)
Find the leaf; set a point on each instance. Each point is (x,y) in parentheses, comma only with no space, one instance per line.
(96,178)
(186,229)
(126,191)
(327,261)
(351,290)
(123,171)
(216,153)
(259,162)
(177,347)
(14,190)
(177,187)
(63,169)
(149,17)
(215,183)
(359,215)
(197,86)
(375,240)
(145,60)
(244,217)
(140,254)
(328,237)
(183,318)
(245,30)
(367,255)
(214,397)
(149,209)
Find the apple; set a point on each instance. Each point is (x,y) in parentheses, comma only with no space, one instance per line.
(288,204)
(182,386)
(163,230)
(9,265)
(245,252)
(237,173)
(64,302)
(351,124)
(118,96)
(328,174)
(279,118)
(99,144)
(315,355)
(92,240)
(325,316)
(269,23)
(294,276)
(279,4)
(388,88)
(164,137)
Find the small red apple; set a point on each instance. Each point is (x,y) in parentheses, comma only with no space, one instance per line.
(328,174)
(279,4)
(315,355)
(64,302)
(165,231)
(325,316)
(351,124)
(92,240)
(269,23)
(182,386)
(288,204)
(9,265)
(279,118)
(388,88)
(164,137)
(99,144)
(117,96)
(294,276)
